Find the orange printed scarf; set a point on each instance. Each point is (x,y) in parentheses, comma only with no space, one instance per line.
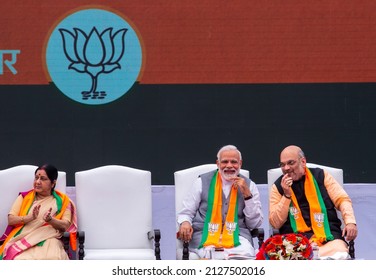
(62,201)
(214,233)
(318,213)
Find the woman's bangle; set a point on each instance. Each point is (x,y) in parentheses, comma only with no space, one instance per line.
(288,197)
(22,220)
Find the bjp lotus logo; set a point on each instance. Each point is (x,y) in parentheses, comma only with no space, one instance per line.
(213,228)
(230,227)
(94,56)
(94,53)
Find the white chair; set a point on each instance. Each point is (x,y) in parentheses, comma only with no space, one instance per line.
(183,182)
(114,209)
(18,179)
(273,174)
(337,173)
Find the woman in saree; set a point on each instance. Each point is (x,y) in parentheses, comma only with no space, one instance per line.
(37,220)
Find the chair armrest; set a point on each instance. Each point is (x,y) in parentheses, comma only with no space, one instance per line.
(156,235)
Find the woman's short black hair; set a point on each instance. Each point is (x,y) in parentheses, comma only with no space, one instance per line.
(50,170)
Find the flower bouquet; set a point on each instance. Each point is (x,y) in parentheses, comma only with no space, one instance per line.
(286,247)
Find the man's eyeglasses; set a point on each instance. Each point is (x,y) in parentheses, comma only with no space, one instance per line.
(233,162)
(289,163)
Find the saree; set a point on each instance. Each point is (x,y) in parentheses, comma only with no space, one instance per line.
(38,239)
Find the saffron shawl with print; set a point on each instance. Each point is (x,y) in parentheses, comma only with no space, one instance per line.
(214,233)
(24,237)
(318,213)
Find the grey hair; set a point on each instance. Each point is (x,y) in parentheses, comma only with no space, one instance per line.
(229,148)
(301,154)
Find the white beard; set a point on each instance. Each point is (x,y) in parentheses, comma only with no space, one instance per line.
(229,177)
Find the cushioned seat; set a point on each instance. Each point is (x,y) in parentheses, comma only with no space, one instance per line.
(119,254)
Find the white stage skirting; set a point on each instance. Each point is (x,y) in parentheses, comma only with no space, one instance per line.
(362,195)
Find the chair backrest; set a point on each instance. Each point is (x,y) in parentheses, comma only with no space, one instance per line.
(185,178)
(15,180)
(337,173)
(114,207)
(183,182)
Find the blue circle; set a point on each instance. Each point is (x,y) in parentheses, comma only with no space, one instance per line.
(85,60)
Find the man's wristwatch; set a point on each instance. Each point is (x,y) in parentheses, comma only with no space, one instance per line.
(248,197)
(288,197)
